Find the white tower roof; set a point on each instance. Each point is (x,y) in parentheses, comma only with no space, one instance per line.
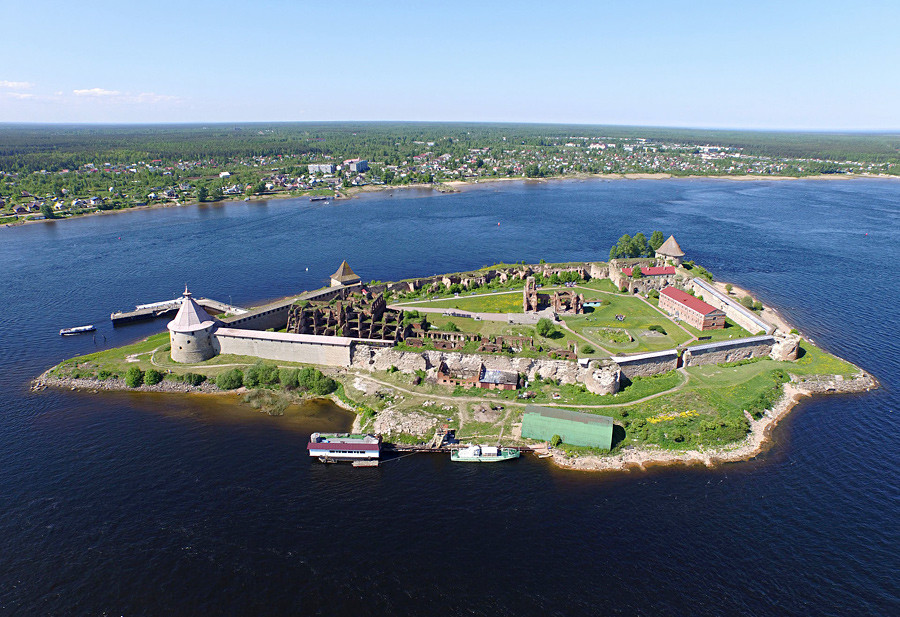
(191,316)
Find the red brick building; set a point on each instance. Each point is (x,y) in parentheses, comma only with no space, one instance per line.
(692,311)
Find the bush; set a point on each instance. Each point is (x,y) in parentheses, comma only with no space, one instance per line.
(194,379)
(134,377)
(452,327)
(230,380)
(545,327)
(747,301)
(653,293)
(261,374)
(289,378)
(152,377)
(555,441)
(657,328)
(587,349)
(312,380)
(104,374)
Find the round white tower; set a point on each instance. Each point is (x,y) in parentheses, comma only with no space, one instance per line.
(190,333)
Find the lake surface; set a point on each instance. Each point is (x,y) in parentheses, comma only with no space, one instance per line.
(143,504)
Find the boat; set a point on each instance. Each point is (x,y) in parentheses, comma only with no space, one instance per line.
(318,198)
(483,454)
(77,330)
(335,447)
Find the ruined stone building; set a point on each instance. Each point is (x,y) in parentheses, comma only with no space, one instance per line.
(530,296)
(355,317)
(567,303)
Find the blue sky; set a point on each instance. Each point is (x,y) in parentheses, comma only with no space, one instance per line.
(779,65)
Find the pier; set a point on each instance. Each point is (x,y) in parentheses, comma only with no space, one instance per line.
(143,312)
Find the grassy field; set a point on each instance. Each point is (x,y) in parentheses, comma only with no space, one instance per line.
(503,302)
(638,319)
(730,331)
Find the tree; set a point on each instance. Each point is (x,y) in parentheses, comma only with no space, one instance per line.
(134,377)
(545,327)
(639,247)
(587,349)
(217,193)
(152,377)
(47,211)
(555,441)
(202,193)
(656,240)
(729,287)
(636,272)
(622,249)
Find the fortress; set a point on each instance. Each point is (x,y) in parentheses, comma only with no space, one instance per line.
(350,324)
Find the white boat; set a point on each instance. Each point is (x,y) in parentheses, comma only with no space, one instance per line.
(77,330)
(483,454)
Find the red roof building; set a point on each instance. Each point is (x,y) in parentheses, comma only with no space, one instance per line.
(693,311)
(651,271)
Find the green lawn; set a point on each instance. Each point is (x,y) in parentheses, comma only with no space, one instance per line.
(730,331)
(638,318)
(504,302)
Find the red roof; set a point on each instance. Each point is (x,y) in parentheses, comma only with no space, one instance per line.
(688,300)
(652,271)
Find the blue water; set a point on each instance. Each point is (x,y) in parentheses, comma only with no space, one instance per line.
(136,504)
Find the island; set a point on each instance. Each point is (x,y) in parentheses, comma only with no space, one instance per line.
(604,365)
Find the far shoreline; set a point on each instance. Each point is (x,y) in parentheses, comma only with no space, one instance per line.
(458,186)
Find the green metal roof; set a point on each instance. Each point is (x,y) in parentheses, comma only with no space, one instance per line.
(565,414)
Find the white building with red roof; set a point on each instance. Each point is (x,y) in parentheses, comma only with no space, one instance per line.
(693,311)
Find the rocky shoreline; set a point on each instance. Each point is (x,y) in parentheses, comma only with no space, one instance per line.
(757,440)
(114,384)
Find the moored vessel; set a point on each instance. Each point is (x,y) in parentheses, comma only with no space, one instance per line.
(334,447)
(77,330)
(483,454)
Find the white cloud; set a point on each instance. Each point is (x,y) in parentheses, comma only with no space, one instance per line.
(96,92)
(16,85)
(21,95)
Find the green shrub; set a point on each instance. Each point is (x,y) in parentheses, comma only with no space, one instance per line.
(587,349)
(289,378)
(657,328)
(653,293)
(555,441)
(230,380)
(104,374)
(195,379)
(134,377)
(313,380)
(152,377)
(261,374)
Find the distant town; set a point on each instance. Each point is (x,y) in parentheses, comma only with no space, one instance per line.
(45,182)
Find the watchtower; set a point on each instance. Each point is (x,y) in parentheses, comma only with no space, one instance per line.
(190,333)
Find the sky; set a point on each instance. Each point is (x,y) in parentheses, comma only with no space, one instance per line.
(752,65)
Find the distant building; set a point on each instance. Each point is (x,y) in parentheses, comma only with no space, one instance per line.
(693,311)
(670,251)
(574,428)
(224,174)
(357,165)
(344,276)
(325,168)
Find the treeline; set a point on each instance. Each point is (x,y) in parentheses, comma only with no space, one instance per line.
(628,247)
(28,148)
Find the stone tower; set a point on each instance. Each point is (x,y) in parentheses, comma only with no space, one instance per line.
(190,333)
(530,299)
(670,251)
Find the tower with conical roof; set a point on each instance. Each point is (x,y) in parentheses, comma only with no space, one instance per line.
(190,333)
(670,251)
(344,276)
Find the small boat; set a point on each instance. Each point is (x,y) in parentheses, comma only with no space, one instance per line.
(77,330)
(318,198)
(483,454)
